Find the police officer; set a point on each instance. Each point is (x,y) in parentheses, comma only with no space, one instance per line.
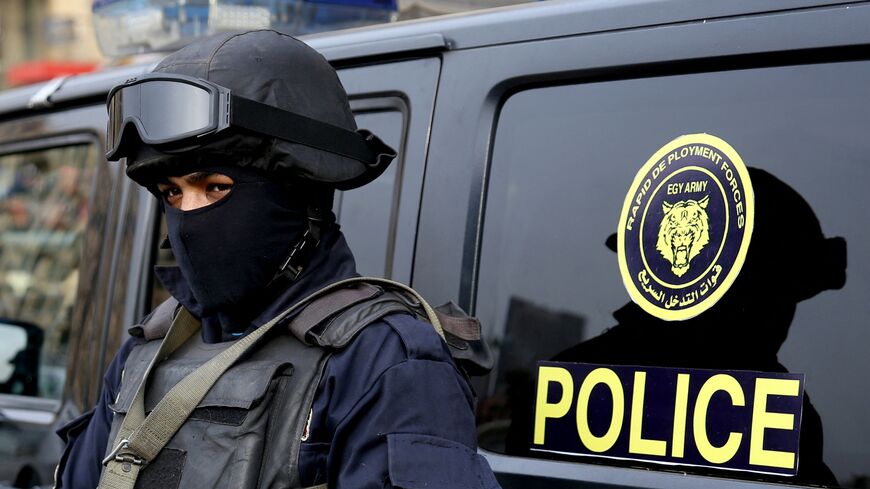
(253,375)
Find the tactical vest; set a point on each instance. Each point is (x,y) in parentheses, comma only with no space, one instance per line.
(247,430)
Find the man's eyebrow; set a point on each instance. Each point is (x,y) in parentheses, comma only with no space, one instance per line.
(196,177)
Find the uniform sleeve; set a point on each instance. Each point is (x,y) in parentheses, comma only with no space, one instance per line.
(87,436)
(401,414)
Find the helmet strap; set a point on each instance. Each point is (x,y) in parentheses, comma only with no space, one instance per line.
(302,252)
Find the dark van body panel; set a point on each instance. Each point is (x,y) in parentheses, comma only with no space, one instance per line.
(765,40)
(436,90)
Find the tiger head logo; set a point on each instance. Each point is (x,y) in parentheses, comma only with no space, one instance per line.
(683,233)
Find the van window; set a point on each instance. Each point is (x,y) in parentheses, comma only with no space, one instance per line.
(367,214)
(550,288)
(43,209)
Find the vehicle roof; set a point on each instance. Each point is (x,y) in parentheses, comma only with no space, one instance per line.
(504,25)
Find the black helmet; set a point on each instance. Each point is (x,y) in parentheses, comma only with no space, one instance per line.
(264,71)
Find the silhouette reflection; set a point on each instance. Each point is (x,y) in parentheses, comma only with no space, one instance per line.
(518,354)
(789,260)
(21,358)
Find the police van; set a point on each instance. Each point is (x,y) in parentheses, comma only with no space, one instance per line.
(650,205)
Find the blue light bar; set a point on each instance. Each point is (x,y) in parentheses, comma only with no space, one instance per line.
(377,4)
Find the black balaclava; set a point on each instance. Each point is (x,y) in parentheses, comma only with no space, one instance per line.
(230,250)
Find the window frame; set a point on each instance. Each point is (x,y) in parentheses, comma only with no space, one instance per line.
(36,403)
(86,360)
(387,104)
(90,323)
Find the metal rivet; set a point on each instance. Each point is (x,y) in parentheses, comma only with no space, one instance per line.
(126,467)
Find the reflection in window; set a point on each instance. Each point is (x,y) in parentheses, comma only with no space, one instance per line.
(43,211)
(550,287)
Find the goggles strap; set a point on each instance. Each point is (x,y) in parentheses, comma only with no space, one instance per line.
(295,128)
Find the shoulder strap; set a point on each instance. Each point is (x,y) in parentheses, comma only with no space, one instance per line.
(333,320)
(324,308)
(429,311)
(156,324)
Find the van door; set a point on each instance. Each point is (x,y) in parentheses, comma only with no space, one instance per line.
(531,162)
(56,208)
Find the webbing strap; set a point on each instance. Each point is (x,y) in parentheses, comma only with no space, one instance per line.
(296,128)
(141,438)
(123,464)
(430,312)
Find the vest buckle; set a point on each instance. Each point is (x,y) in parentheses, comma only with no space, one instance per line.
(117,454)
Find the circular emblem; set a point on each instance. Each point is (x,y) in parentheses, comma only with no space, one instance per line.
(685,227)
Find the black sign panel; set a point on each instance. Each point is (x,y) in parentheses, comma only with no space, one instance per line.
(737,420)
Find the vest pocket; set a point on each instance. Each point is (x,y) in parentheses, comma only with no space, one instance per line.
(242,386)
(227,434)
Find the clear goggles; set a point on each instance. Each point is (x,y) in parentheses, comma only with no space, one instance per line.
(174,113)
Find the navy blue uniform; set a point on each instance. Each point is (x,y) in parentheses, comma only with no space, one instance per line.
(392,410)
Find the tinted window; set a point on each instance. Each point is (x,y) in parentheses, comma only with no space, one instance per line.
(43,210)
(563,160)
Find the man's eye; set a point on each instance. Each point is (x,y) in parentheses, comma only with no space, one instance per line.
(219,187)
(170,193)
